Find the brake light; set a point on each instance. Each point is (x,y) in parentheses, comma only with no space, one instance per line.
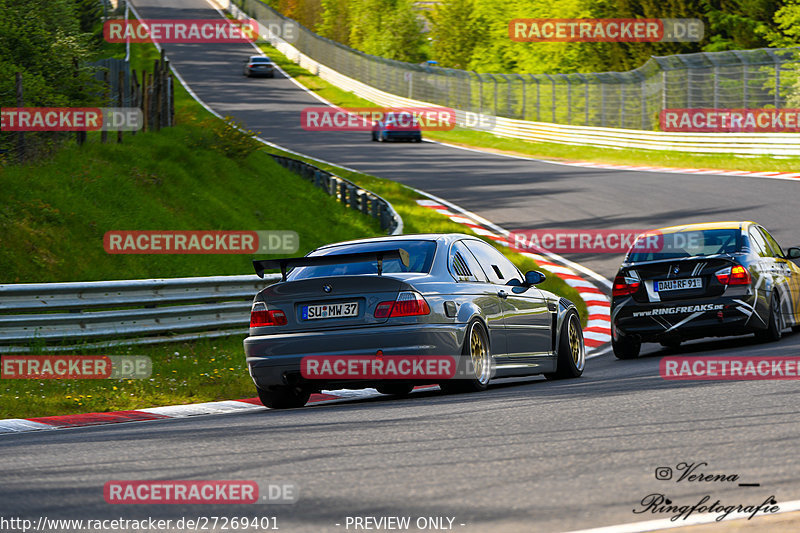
(408,303)
(260,316)
(736,275)
(624,286)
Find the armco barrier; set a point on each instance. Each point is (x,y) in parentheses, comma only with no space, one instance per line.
(347,193)
(731,143)
(49,317)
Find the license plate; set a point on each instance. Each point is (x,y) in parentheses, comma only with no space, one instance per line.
(339,310)
(679,284)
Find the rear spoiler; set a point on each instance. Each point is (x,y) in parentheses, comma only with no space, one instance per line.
(359,257)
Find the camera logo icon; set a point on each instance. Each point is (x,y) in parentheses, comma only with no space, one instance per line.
(663,473)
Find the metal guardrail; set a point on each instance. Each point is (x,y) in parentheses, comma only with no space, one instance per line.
(348,193)
(579,112)
(51,317)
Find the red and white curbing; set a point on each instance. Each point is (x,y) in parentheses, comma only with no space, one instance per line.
(19,425)
(597,332)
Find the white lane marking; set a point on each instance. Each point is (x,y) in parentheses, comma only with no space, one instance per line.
(580,283)
(602,337)
(205,408)
(666,523)
(16,425)
(601,166)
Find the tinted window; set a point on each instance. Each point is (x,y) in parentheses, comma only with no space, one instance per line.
(259,60)
(686,244)
(463,264)
(496,267)
(420,258)
(758,244)
(777,251)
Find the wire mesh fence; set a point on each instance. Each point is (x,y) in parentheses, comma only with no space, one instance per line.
(762,78)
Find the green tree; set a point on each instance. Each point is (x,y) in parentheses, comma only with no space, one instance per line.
(454,32)
(739,24)
(787,25)
(387,28)
(42,39)
(335,22)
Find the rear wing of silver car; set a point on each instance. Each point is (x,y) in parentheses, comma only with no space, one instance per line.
(320,260)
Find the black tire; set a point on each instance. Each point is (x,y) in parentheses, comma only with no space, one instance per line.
(395,389)
(775,323)
(283,397)
(571,349)
(626,348)
(475,368)
(796,328)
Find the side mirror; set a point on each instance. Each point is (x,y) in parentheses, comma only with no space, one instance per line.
(793,253)
(534,277)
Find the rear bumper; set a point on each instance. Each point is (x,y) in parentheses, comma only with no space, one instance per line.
(274,360)
(396,135)
(661,321)
(259,72)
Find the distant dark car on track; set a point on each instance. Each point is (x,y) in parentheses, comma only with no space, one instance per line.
(397,126)
(409,295)
(704,280)
(259,66)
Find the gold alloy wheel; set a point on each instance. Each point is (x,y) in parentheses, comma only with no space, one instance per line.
(479,352)
(576,346)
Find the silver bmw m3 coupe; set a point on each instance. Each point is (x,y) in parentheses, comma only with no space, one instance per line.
(407,296)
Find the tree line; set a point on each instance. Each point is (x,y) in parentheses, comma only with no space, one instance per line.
(473,34)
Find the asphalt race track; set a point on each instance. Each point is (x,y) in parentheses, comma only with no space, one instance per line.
(526,455)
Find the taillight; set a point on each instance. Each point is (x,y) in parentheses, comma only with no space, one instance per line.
(251,65)
(735,275)
(408,303)
(260,316)
(624,286)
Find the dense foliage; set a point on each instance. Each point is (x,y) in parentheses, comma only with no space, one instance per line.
(473,34)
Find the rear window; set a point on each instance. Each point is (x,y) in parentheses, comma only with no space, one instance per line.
(259,60)
(420,258)
(686,244)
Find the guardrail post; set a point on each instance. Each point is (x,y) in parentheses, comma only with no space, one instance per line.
(353,196)
(644,103)
(375,208)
